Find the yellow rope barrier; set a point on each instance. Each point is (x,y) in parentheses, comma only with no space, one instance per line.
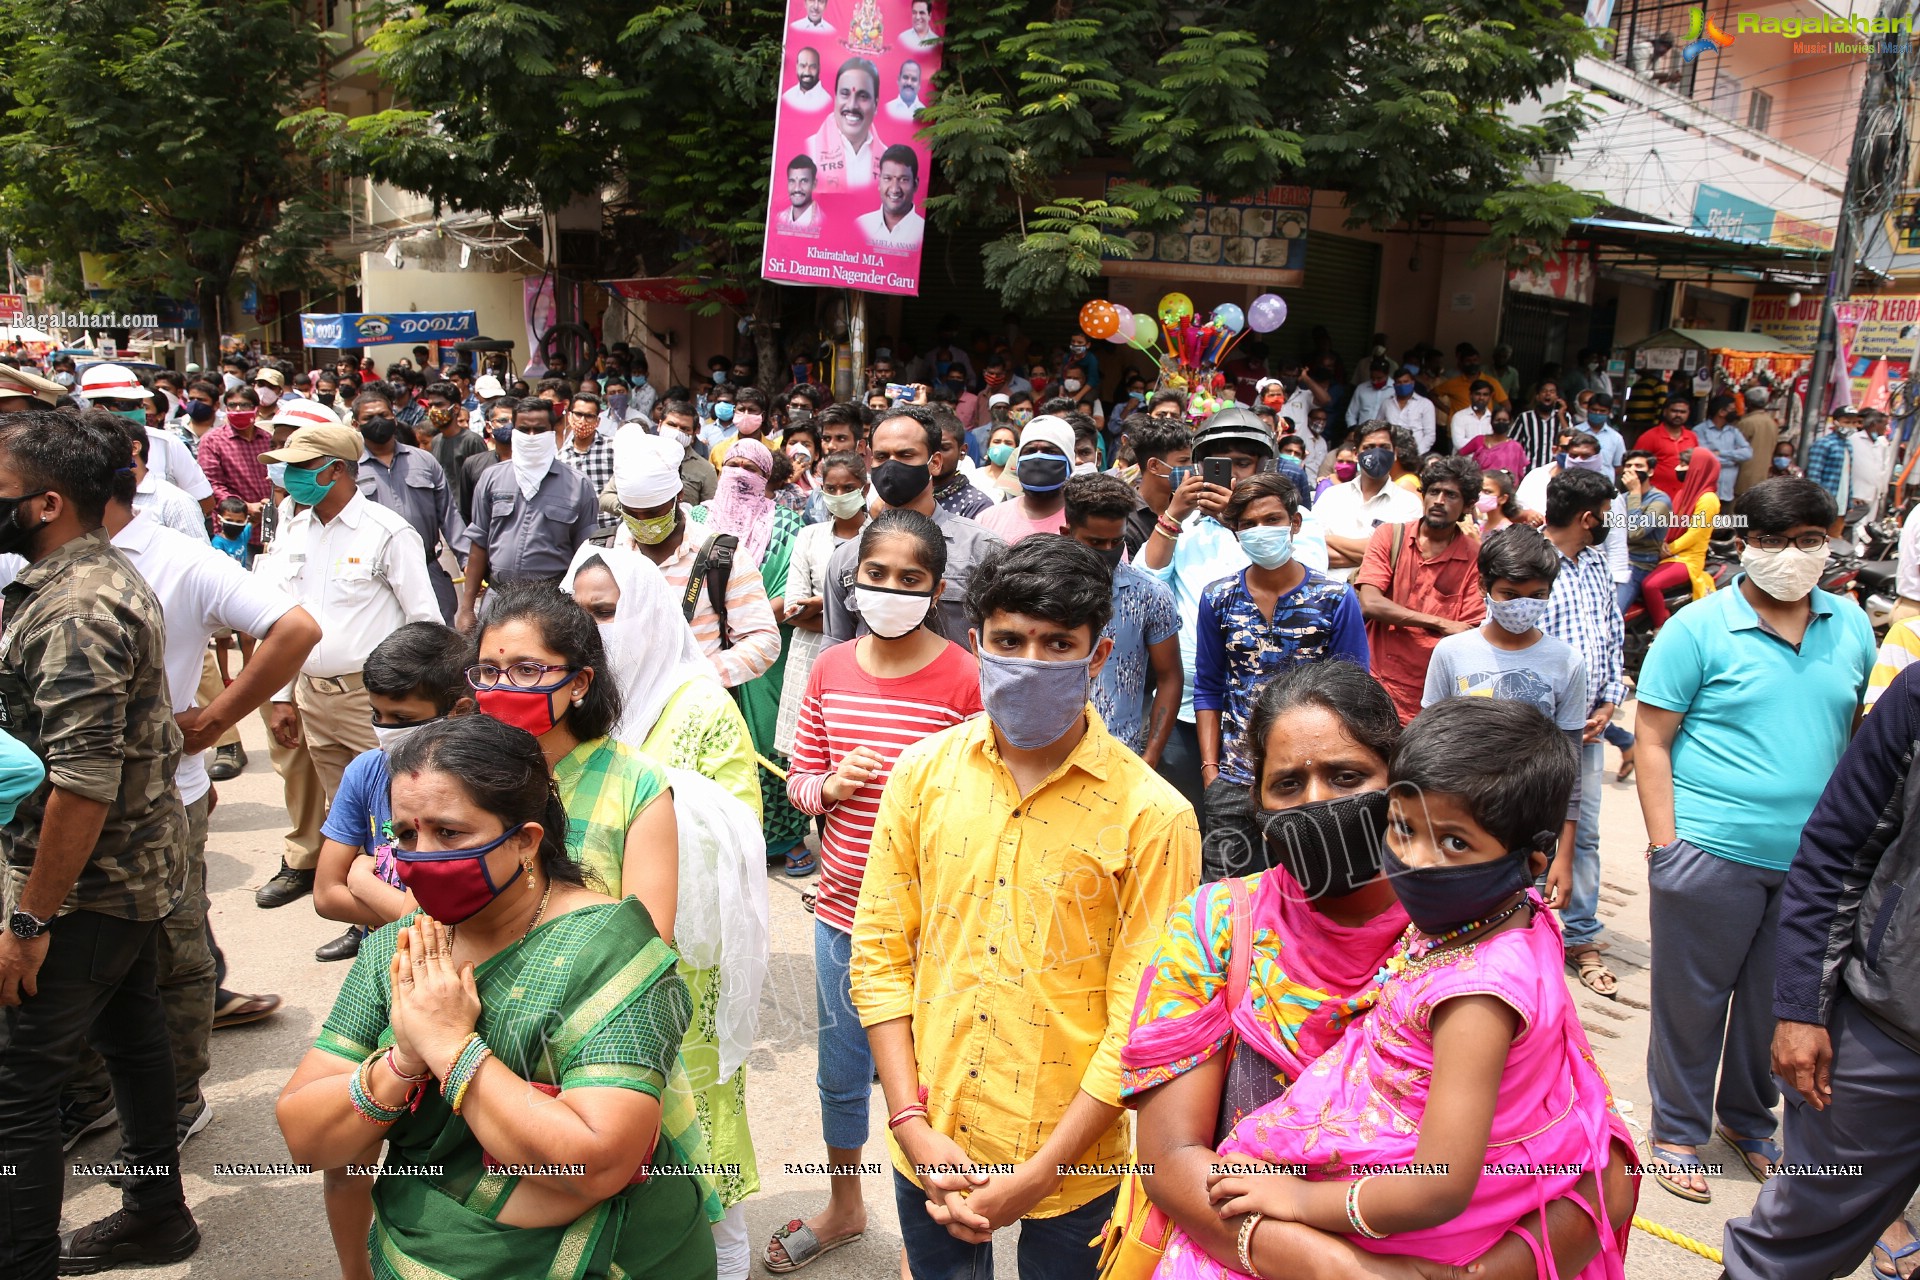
(1671,1236)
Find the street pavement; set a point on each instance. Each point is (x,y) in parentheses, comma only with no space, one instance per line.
(264,1224)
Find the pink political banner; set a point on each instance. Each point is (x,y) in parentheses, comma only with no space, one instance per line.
(849,170)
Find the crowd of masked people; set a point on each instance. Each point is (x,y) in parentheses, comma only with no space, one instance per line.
(1237,772)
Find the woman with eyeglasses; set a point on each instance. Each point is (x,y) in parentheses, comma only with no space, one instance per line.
(539,666)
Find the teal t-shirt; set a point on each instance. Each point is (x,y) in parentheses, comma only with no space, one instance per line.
(1763,725)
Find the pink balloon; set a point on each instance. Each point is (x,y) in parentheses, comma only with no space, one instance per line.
(1126,323)
(1268,312)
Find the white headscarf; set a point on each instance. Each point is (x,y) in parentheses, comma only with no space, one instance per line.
(651,651)
(646,468)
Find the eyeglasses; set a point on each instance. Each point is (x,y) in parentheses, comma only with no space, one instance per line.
(1772,542)
(521,675)
(578,416)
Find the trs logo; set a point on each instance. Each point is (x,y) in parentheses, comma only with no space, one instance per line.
(1702,35)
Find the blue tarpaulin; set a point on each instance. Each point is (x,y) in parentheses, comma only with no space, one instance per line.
(371,329)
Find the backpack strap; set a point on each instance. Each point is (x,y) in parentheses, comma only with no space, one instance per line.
(714,567)
(1393,553)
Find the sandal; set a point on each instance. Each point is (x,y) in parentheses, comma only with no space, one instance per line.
(1760,1155)
(800,862)
(238,1010)
(1896,1256)
(1593,972)
(1684,1162)
(801,1246)
(1626,766)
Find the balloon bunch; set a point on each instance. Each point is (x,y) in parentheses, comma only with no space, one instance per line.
(1194,347)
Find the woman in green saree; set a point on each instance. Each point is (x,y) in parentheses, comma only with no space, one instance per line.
(513,1043)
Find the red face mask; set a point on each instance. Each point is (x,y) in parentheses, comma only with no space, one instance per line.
(453,885)
(529,709)
(241,418)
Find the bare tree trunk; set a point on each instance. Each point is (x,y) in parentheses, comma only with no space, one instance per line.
(769,361)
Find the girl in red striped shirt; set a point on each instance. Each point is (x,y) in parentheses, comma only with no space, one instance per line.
(866,701)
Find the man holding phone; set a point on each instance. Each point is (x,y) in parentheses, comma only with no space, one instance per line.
(1190,548)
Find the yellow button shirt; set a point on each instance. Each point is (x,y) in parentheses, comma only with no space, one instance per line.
(1013,931)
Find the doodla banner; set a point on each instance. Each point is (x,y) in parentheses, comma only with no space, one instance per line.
(340,330)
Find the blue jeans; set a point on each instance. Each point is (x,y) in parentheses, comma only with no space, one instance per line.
(1050,1248)
(1620,738)
(845,1073)
(1629,591)
(1579,919)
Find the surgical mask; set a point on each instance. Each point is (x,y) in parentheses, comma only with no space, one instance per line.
(1788,574)
(231,529)
(639,380)
(277,474)
(1071,384)
(529,709)
(199,411)
(1597,419)
(241,418)
(1331,848)
(723,412)
(748,423)
(1595,463)
(453,885)
(652,531)
(268,395)
(1486,504)
(1268,546)
(719,377)
(390,736)
(1516,617)
(891,614)
(229,381)
(1345,470)
(1440,899)
(1404,390)
(132,414)
(1376,462)
(1031,702)
(899,483)
(1043,472)
(800,456)
(304,489)
(844,506)
(1781,464)
(379,430)
(677,436)
(1086,468)
(14,536)
(998,454)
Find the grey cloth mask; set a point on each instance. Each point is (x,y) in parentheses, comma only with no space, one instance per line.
(1033,703)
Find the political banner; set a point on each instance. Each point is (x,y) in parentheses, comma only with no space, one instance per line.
(344,330)
(848,198)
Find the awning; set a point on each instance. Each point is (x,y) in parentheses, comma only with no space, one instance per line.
(679,290)
(1666,251)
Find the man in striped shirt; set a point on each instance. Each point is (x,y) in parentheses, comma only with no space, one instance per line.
(1540,426)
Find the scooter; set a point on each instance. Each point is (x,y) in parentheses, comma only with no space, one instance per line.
(1721,564)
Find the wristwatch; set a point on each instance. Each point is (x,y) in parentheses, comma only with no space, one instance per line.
(26,926)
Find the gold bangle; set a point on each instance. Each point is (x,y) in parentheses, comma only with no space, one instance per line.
(1247,1225)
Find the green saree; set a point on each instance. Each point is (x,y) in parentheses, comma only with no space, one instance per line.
(588,1000)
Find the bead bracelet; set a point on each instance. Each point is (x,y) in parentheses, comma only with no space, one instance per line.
(370,1109)
(454,1085)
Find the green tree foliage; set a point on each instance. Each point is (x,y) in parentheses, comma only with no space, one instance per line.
(1401,104)
(148,130)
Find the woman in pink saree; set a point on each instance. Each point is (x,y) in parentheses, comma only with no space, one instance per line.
(1323,924)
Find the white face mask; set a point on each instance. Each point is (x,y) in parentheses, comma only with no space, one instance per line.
(532,455)
(1085,468)
(844,506)
(678,437)
(267,395)
(1788,575)
(1071,384)
(390,736)
(891,614)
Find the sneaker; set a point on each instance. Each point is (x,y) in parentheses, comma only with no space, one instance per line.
(194,1123)
(344,947)
(286,886)
(82,1116)
(123,1238)
(227,763)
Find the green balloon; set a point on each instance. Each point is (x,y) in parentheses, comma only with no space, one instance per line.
(1145,332)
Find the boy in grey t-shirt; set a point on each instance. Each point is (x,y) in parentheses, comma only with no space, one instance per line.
(1509,657)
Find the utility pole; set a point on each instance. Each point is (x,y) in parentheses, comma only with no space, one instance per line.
(1872,164)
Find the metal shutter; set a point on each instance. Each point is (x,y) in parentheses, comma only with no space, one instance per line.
(1342,286)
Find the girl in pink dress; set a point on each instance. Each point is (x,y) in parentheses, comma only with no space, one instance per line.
(1469,1096)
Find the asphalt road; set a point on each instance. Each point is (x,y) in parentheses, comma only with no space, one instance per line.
(263,1225)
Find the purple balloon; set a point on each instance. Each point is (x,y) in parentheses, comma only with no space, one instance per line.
(1268,312)
(1125,332)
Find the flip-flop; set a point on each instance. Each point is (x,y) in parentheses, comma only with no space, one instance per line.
(1896,1256)
(801,1246)
(1686,1162)
(803,865)
(238,1010)
(1753,1150)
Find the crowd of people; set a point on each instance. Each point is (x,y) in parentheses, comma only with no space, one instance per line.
(1241,772)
